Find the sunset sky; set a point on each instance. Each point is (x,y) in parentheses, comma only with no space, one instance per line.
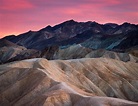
(18,16)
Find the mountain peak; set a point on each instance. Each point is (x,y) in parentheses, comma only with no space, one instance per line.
(47,28)
(70,22)
(126,24)
(66,23)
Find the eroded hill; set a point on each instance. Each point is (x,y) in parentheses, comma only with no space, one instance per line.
(76,82)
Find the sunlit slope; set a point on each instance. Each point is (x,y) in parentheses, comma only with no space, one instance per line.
(78,82)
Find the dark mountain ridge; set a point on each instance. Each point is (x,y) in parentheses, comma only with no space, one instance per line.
(108,36)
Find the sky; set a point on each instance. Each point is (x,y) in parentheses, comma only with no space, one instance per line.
(19,16)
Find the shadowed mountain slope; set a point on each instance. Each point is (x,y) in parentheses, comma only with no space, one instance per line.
(6,43)
(89,34)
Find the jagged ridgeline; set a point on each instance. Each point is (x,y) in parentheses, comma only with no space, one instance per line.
(89,34)
(72,40)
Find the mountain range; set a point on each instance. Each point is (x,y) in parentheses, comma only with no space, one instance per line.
(71,64)
(89,39)
(89,34)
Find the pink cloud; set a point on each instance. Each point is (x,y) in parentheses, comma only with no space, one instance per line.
(18,16)
(15,5)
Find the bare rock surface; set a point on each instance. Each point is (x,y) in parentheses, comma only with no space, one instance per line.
(10,52)
(78,51)
(75,82)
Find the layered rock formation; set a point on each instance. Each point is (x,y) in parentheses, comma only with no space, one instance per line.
(78,51)
(12,53)
(78,82)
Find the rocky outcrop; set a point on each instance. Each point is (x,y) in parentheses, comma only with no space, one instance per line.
(134,52)
(12,52)
(78,82)
(49,52)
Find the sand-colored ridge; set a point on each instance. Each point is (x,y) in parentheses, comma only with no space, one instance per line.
(75,82)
